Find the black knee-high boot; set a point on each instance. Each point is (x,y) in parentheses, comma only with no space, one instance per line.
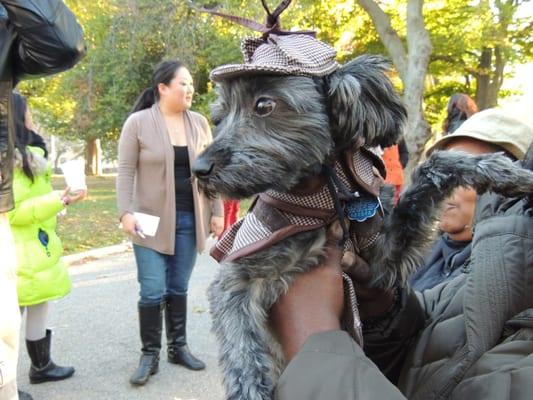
(176,324)
(150,321)
(42,367)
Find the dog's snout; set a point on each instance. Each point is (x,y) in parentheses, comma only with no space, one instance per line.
(202,167)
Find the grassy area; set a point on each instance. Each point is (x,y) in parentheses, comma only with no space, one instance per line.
(93,222)
(244,206)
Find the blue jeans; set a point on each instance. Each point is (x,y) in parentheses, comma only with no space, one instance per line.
(161,274)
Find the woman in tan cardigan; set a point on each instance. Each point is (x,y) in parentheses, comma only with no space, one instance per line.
(159,142)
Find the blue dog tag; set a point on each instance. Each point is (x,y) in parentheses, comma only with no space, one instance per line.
(362,208)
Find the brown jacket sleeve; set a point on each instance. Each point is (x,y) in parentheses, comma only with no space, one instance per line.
(332,366)
(128,155)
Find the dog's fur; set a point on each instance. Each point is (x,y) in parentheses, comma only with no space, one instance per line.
(313,118)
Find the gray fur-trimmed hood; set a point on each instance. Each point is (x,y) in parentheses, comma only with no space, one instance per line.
(37,162)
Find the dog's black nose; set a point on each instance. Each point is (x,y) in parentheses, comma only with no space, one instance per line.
(202,167)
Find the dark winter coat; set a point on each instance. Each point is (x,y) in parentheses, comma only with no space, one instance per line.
(472,337)
(445,261)
(469,338)
(37,37)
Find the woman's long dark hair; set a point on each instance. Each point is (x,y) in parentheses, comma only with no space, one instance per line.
(460,108)
(164,73)
(22,134)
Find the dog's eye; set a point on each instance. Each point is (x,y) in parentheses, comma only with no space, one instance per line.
(264,106)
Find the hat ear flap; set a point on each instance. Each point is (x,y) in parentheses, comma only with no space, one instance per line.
(364,106)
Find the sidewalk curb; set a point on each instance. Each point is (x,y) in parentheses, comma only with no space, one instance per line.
(94,254)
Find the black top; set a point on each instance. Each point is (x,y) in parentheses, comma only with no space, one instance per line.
(182,179)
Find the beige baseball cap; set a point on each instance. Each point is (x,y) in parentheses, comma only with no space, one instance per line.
(495,127)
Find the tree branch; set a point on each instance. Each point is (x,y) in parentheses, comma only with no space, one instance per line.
(418,40)
(447,58)
(388,35)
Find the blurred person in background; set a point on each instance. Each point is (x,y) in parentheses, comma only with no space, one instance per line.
(451,252)
(41,275)
(231,212)
(159,142)
(460,107)
(36,38)
(395,158)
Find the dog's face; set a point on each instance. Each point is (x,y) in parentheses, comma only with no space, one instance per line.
(273,131)
(270,133)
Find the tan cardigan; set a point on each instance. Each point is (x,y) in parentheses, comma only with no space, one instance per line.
(145,181)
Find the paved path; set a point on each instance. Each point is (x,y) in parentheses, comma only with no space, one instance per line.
(96,331)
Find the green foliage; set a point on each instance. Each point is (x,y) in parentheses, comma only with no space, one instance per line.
(127,39)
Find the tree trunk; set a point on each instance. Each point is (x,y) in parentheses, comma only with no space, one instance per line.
(483,78)
(419,44)
(93,157)
(489,77)
(412,65)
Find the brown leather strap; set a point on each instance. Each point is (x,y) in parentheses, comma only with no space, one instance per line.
(276,237)
(270,216)
(273,18)
(248,23)
(377,182)
(377,161)
(272,24)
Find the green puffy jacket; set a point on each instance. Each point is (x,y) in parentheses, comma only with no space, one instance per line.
(41,274)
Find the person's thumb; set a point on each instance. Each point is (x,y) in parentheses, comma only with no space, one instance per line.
(334,234)
(333,248)
(360,271)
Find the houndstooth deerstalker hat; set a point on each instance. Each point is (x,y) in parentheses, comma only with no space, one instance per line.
(287,54)
(277,52)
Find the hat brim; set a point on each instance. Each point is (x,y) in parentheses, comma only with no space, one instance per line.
(445,140)
(234,70)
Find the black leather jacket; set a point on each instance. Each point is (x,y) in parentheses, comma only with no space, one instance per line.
(37,37)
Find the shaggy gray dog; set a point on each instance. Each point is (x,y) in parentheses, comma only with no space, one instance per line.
(271,133)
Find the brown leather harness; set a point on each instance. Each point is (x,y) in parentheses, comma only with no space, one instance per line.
(315,204)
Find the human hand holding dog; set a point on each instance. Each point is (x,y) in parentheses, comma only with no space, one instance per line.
(314,302)
(372,302)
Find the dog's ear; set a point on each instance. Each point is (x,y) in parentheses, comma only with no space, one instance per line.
(363,104)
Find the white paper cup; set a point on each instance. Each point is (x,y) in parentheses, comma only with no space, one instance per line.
(74,173)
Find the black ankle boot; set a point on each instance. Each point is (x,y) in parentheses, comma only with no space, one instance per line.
(24,395)
(42,367)
(181,355)
(150,320)
(175,324)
